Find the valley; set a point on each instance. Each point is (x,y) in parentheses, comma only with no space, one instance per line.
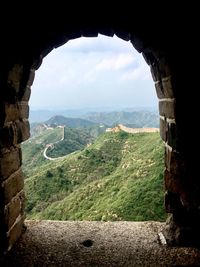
(98,174)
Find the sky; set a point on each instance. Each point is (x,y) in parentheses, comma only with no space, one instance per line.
(100,72)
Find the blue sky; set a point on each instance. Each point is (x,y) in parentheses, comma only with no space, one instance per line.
(93,72)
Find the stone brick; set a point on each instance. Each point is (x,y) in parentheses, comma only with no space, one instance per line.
(172,202)
(172,136)
(164,68)
(15,232)
(10,162)
(27,94)
(13,210)
(168,155)
(15,133)
(31,77)
(13,185)
(167,87)
(24,110)
(159,89)
(163,129)
(164,88)
(12,112)
(174,163)
(22,131)
(15,112)
(166,108)
(149,57)
(173,182)
(14,77)
(155,72)
(6,137)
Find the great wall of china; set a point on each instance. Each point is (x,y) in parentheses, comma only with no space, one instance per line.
(121,127)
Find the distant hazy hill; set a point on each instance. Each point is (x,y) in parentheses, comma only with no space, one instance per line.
(135,119)
(43,115)
(119,177)
(70,122)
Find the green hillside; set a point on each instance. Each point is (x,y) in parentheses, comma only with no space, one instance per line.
(119,177)
(74,139)
(32,149)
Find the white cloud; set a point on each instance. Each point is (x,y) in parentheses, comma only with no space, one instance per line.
(115,62)
(91,70)
(140,73)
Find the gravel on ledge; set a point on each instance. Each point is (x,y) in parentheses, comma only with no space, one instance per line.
(91,244)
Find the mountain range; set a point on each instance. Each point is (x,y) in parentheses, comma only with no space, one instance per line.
(113,176)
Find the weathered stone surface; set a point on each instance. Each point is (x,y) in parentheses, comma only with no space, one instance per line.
(172,202)
(31,77)
(15,112)
(10,162)
(149,57)
(160,71)
(164,67)
(173,182)
(16,231)
(155,72)
(14,209)
(14,77)
(172,136)
(180,230)
(174,163)
(27,94)
(14,133)
(12,185)
(167,87)
(22,131)
(166,108)
(164,88)
(159,89)
(163,129)
(6,137)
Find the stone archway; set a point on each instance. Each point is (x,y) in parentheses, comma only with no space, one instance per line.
(182,188)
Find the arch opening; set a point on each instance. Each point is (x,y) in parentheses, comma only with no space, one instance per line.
(181,198)
(111,69)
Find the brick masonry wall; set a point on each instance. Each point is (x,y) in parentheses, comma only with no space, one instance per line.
(181,185)
(14,129)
